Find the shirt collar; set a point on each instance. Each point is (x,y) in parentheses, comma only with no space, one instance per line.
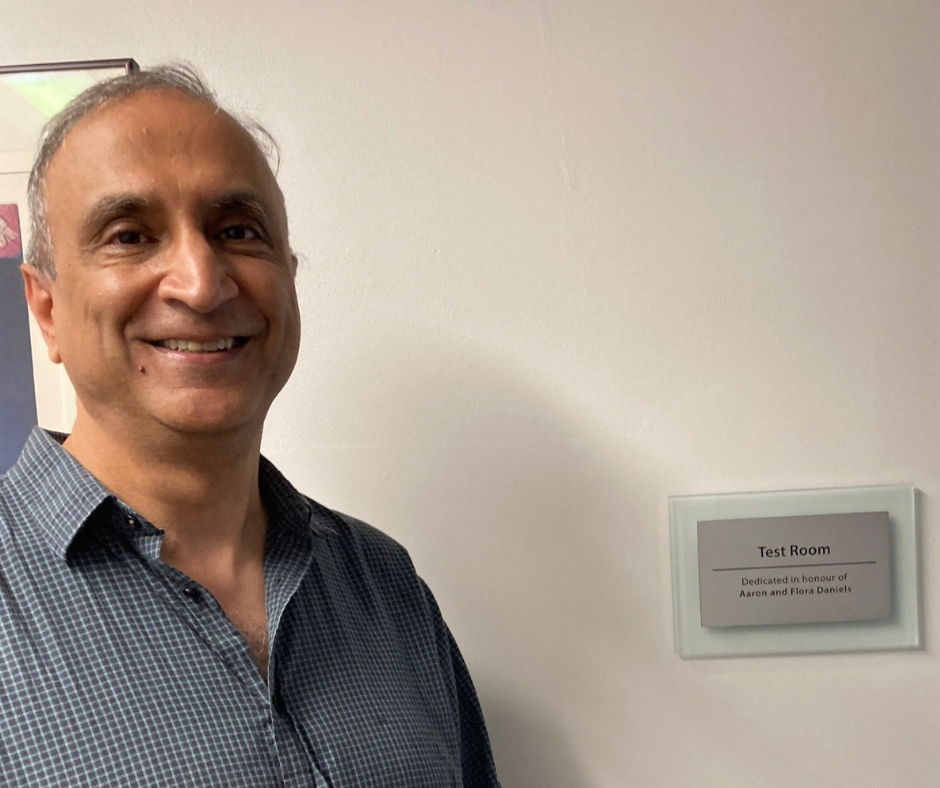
(287,506)
(61,495)
(55,488)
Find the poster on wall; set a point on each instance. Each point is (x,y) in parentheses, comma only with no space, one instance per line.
(11,245)
(32,389)
(17,403)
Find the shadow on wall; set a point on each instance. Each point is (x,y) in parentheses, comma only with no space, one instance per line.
(533,526)
(540,756)
(522,537)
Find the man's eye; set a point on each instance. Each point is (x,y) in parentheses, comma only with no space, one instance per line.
(128,237)
(238,232)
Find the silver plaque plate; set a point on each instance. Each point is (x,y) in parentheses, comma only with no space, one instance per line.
(795,570)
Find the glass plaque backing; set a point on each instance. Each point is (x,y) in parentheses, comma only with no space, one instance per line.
(901,631)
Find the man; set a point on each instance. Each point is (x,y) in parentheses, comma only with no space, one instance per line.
(172,611)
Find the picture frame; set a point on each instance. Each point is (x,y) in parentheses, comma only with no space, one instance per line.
(32,389)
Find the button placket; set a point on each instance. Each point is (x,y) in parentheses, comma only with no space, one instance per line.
(198,609)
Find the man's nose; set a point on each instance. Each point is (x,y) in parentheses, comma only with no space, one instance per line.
(196,274)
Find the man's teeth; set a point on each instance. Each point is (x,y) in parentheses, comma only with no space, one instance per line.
(198,347)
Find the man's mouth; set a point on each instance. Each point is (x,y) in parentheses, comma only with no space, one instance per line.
(212,346)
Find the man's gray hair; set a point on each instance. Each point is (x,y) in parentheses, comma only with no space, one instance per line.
(179,78)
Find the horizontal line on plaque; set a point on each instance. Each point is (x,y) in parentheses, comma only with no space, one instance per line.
(789,566)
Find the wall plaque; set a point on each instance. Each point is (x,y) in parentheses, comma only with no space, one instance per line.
(855,548)
(795,570)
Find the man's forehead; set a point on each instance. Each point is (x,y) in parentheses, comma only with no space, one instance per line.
(161,110)
(159,123)
(130,145)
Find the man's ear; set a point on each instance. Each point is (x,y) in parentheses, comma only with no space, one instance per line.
(38,285)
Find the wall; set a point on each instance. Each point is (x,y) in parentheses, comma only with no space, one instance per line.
(563,259)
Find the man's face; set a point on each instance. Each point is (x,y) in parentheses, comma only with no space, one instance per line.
(174,300)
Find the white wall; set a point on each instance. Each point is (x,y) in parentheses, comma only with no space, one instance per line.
(565,258)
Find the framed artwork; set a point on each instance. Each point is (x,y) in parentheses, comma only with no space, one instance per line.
(32,389)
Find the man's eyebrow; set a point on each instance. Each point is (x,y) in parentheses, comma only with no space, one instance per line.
(114,207)
(248,201)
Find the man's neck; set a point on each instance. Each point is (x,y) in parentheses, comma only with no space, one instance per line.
(201,490)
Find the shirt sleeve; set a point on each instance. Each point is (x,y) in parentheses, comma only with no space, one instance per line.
(476,756)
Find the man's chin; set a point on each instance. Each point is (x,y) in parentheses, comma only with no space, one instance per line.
(204,420)
(204,429)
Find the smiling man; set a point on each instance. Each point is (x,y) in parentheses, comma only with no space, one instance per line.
(172,611)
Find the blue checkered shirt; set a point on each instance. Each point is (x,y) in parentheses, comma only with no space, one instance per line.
(118,670)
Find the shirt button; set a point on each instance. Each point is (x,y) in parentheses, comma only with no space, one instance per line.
(133,522)
(193,593)
(278,702)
